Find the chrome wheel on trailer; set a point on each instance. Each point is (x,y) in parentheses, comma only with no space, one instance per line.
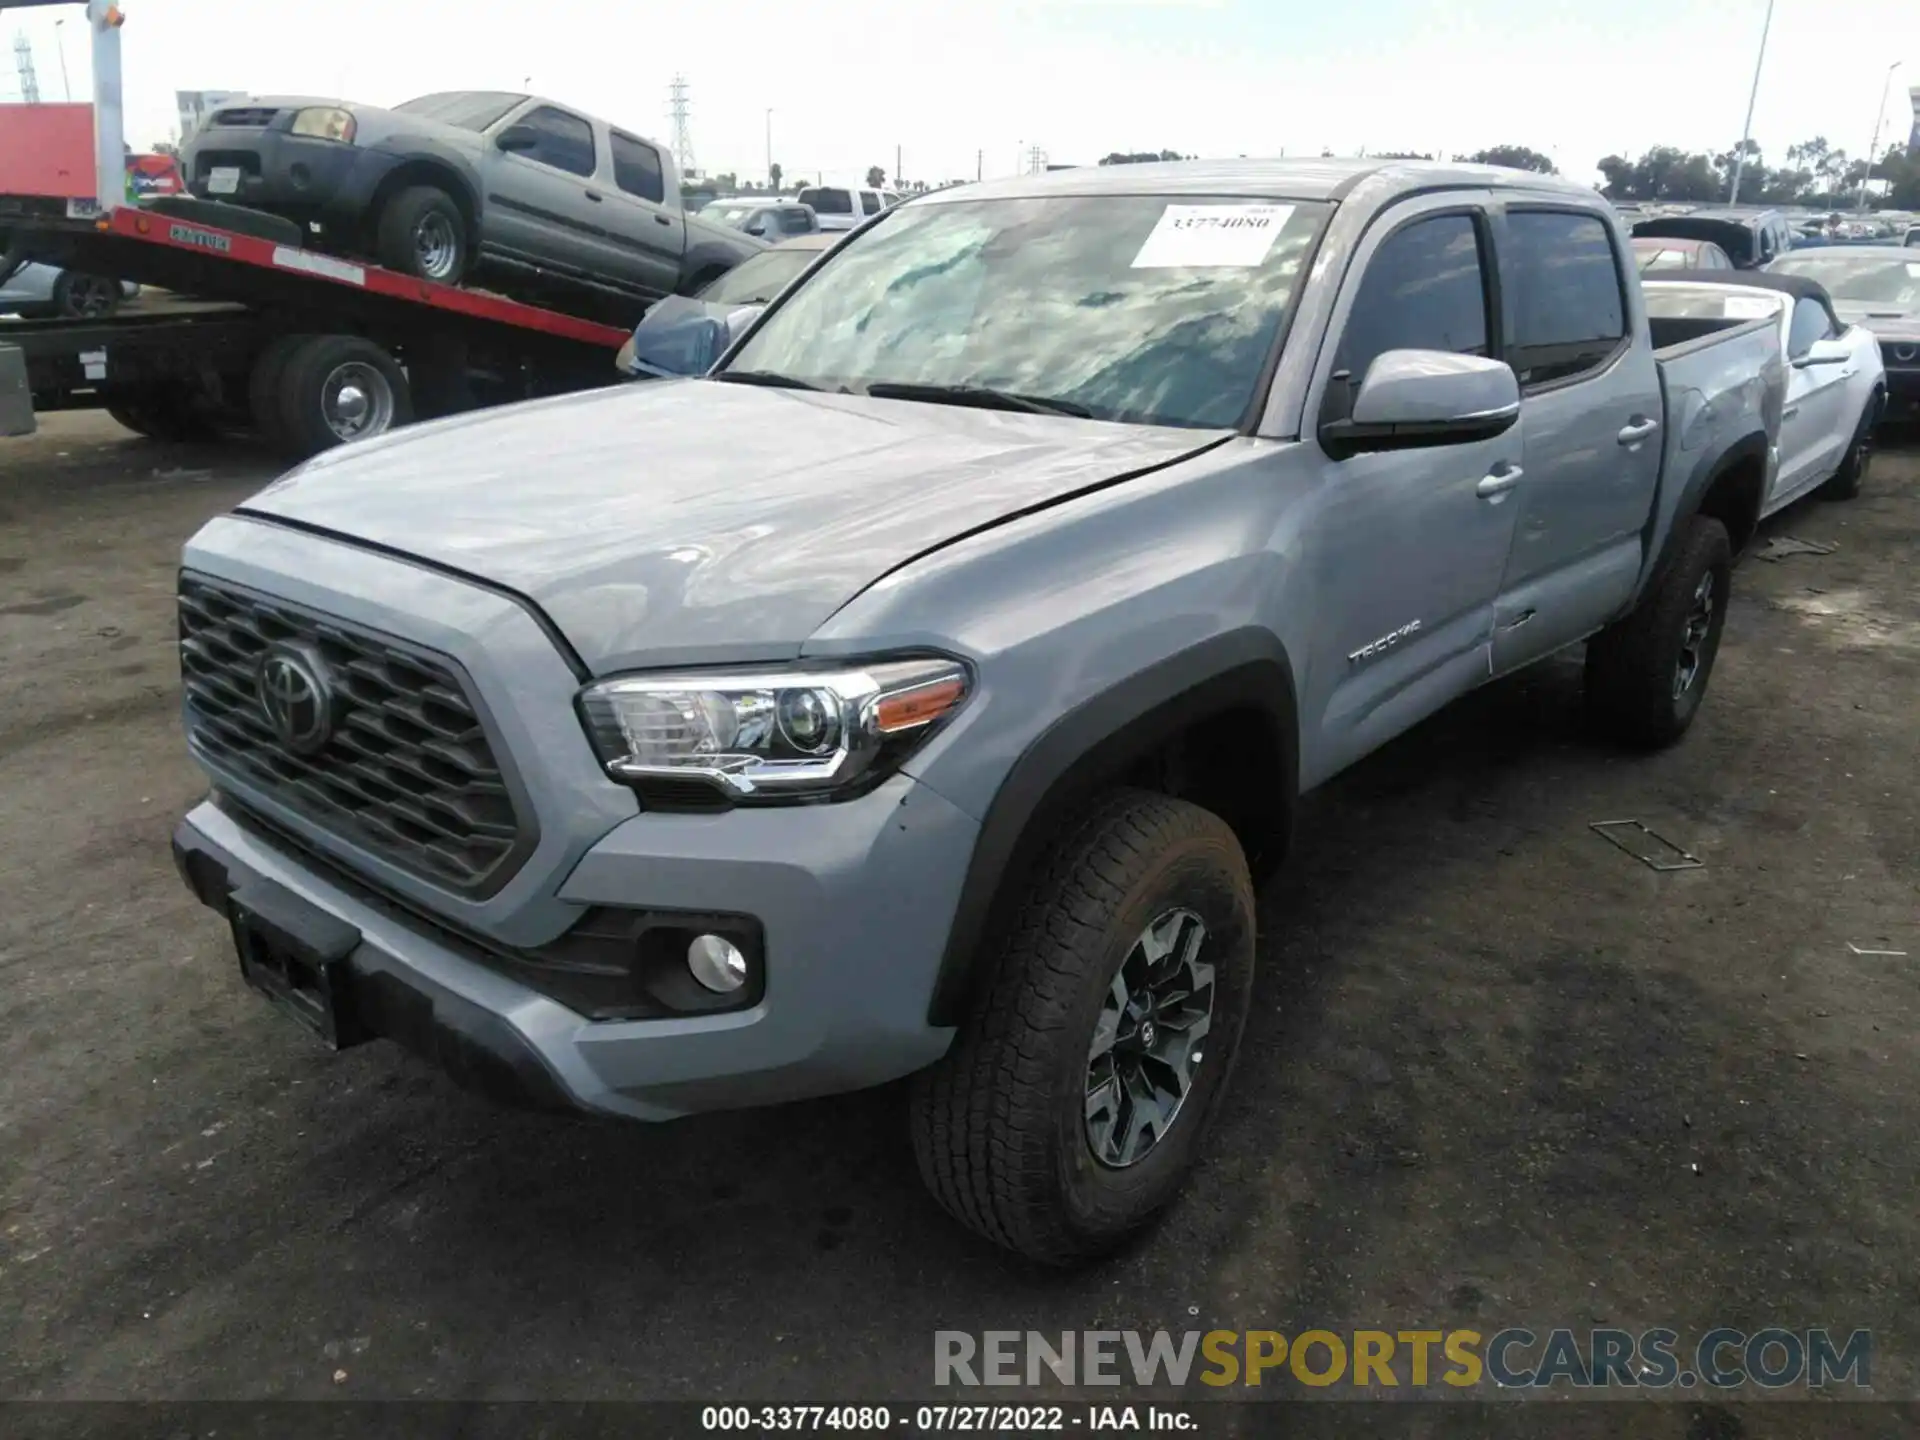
(356,401)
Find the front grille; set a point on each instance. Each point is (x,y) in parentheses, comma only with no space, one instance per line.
(406,771)
(246,117)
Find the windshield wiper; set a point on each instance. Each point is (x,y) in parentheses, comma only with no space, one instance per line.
(769,378)
(984,397)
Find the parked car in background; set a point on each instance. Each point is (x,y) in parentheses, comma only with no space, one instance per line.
(524,188)
(922,692)
(844,207)
(35,291)
(771,220)
(1836,382)
(1655,256)
(684,335)
(1750,238)
(1877,287)
(1913,237)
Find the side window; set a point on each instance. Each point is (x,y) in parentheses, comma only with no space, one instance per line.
(636,168)
(827,201)
(794,222)
(1715,258)
(566,141)
(1569,317)
(1424,289)
(869,202)
(1809,324)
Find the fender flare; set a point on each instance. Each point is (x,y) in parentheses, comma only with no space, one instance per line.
(1709,468)
(1092,745)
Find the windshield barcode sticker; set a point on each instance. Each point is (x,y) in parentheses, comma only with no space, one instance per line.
(1199,235)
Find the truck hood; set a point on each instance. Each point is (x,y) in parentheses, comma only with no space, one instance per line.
(691,520)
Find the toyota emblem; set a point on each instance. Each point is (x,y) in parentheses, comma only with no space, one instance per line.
(296,697)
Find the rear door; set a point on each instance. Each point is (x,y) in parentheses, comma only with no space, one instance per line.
(542,192)
(1815,429)
(1590,401)
(655,234)
(1412,552)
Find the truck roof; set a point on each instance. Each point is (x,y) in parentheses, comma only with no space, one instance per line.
(1310,179)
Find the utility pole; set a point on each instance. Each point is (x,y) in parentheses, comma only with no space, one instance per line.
(23,62)
(896,167)
(769,142)
(1746,131)
(1874,144)
(60,43)
(979,165)
(681,109)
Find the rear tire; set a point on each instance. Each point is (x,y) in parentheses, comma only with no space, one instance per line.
(1025,1130)
(339,388)
(85,297)
(163,415)
(1647,674)
(264,394)
(1846,481)
(422,233)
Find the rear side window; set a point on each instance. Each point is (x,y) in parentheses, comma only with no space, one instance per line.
(1568,314)
(869,202)
(566,141)
(827,202)
(795,222)
(636,168)
(1424,289)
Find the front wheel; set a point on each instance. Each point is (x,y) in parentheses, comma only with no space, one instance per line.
(1073,1102)
(1846,481)
(1647,674)
(421,233)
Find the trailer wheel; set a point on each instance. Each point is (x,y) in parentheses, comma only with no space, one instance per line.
(339,388)
(85,297)
(421,232)
(263,388)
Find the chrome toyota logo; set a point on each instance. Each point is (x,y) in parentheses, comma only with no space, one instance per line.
(296,697)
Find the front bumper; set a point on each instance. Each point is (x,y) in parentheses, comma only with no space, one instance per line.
(854,900)
(299,175)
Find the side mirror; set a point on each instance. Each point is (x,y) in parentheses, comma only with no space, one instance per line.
(678,336)
(758,227)
(1824,352)
(1415,399)
(518,139)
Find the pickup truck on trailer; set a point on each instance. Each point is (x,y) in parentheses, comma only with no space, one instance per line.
(1159,495)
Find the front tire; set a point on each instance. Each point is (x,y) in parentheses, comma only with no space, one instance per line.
(422,233)
(1846,481)
(1074,1099)
(1647,674)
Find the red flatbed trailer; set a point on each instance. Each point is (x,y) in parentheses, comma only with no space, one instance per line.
(307,349)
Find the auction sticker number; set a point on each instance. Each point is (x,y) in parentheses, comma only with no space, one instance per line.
(796,1417)
(1212,235)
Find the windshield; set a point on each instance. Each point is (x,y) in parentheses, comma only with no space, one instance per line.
(468,109)
(1132,307)
(728,212)
(1652,255)
(1865,279)
(758,278)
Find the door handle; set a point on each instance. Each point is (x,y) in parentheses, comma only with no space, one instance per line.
(593,195)
(1789,412)
(1639,430)
(661,220)
(1496,484)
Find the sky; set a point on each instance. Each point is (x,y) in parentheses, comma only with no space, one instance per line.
(966,87)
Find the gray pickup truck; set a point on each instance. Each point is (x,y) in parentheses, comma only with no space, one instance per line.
(529,190)
(923,692)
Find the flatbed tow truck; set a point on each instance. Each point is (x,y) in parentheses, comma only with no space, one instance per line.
(307,349)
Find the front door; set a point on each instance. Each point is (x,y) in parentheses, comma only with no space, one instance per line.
(1408,550)
(1591,405)
(541,193)
(1814,428)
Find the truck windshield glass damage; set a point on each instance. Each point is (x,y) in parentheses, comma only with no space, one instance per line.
(1132,308)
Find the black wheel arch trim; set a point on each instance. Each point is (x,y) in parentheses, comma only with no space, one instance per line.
(1707,470)
(1094,744)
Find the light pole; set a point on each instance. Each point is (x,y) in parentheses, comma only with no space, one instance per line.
(60,44)
(1879,119)
(769,143)
(1746,132)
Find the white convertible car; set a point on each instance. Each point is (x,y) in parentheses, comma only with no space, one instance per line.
(1837,386)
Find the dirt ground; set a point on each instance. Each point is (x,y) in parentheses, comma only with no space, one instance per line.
(1499,1073)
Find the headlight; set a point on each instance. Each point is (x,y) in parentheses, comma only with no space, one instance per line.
(767,736)
(326,122)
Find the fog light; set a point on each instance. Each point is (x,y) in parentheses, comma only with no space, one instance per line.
(717,964)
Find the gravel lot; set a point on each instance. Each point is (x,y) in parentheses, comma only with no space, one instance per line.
(1499,1072)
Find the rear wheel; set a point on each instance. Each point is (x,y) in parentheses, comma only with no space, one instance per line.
(421,232)
(1074,1099)
(85,297)
(1647,674)
(164,415)
(1846,481)
(335,389)
(264,394)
